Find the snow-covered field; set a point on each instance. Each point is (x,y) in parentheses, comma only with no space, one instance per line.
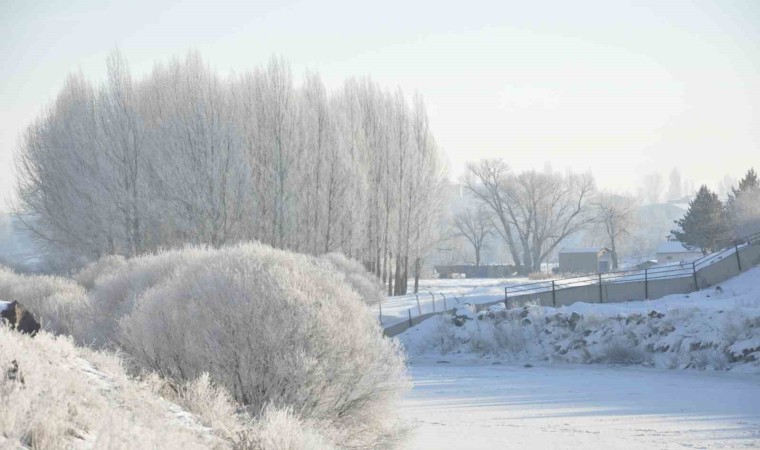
(485,406)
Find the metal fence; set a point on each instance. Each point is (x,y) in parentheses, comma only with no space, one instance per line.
(689,269)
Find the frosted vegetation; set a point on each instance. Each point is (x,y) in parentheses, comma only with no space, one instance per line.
(55,395)
(268,349)
(185,156)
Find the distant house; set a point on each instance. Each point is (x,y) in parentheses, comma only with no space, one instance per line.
(585,260)
(674,251)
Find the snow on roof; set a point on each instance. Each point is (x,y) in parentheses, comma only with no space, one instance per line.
(582,250)
(674,247)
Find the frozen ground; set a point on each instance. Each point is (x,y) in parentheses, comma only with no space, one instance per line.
(483,406)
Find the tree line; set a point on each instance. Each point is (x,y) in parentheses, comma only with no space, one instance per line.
(183,155)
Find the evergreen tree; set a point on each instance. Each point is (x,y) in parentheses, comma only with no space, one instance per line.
(705,225)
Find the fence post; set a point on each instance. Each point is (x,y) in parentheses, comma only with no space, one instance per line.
(433,296)
(738,259)
(646,284)
(419,309)
(505,295)
(554,295)
(380,304)
(444,301)
(601,300)
(694,271)
(410,317)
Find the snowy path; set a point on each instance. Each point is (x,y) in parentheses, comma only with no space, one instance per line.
(478,406)
(475,291)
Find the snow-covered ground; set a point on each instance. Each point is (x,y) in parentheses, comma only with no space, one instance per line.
(485,406)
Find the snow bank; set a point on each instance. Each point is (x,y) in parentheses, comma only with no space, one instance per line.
(717,328)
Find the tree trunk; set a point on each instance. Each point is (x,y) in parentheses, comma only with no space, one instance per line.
(417,275)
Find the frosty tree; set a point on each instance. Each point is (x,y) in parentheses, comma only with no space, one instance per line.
(475,225)
(615,217)
(533,211)
(186,156)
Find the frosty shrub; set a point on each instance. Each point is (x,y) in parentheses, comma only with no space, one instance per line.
(115,295)
(620,351)
(60,305)
(101,268)
(276,329)
(364,283)
(281,429)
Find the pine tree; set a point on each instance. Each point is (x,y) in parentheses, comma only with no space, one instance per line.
(705,225)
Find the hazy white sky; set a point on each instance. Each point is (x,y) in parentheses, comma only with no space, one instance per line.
(618,88)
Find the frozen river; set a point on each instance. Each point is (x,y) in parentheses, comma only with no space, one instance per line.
(484,406)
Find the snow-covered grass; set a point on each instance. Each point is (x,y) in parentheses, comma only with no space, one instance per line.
(55,395)
(713,328)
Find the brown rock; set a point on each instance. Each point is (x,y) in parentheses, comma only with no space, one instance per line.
(20,319)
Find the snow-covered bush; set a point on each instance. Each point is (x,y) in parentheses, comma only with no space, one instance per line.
(364,283)
(276,329)
(621,351)
(114,295)
(60,305)
(282,429)
(102,268)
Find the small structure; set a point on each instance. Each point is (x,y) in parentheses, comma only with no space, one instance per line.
(674,251)
(585,260)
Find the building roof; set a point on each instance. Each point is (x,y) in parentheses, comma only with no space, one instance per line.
(674,247)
